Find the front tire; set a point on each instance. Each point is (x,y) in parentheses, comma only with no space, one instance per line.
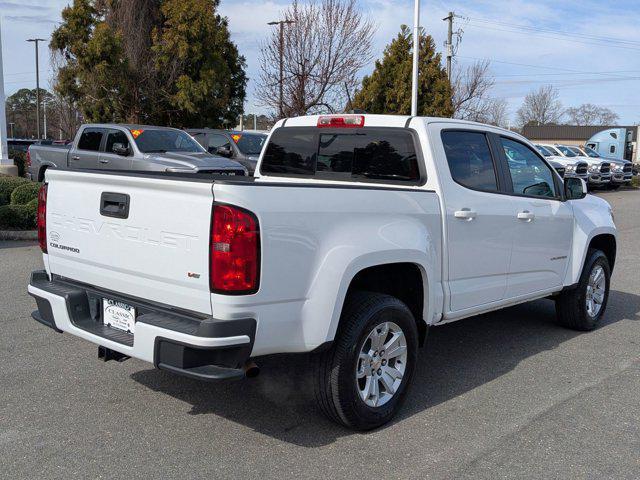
(361,381)
(582,308)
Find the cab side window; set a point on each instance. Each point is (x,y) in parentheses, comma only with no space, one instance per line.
(529,174)
(116,136)
(90,139)
(217,140)
(470,160)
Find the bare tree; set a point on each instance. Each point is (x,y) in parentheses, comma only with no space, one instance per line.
(590,114)
(470,89)
(63,114)
(496,112)
(541,107)
(324,49)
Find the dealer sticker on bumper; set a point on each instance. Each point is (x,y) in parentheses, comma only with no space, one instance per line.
(118,315)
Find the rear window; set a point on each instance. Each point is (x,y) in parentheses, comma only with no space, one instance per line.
(370,154)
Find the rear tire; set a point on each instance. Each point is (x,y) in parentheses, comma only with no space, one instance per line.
(356,380)
(582,308)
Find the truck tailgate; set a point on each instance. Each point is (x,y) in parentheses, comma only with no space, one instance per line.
(159,252)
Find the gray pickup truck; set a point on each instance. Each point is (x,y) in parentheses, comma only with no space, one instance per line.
(130,147)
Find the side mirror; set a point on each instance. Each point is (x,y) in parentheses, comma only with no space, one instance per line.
(224,151)
(575,188)
(120,149)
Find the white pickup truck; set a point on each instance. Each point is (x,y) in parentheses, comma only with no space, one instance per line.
(358,233)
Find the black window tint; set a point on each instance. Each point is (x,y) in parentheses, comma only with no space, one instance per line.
(291,151)
(387,155)
(374,153)
(470,160)
(90,139)
(529,174)
(116,136)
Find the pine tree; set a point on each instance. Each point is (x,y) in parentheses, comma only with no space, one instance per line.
(168,62)
(388,89)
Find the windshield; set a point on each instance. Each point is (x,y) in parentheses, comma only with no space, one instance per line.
(566,151)
(591,152)
(152,141)
(544,151)
(249,143)
(577,151)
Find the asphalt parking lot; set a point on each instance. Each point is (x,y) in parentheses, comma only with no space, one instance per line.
(502,395)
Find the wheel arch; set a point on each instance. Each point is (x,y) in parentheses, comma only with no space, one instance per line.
(407,279)
(606,243)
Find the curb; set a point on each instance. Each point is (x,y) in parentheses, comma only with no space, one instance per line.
(19,235)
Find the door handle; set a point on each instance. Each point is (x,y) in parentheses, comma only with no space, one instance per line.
(526,215)
(75,157)
(465,214)
(104,160)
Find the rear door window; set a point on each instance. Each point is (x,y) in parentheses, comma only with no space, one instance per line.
(90,139)
(370,154)
(470,160)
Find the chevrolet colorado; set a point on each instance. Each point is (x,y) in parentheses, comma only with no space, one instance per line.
(358,233)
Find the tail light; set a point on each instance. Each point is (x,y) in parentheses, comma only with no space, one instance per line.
(27,159)
(235,251)
(42,218)
(341,121)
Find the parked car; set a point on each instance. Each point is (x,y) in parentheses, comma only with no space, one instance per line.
(621,170)
(242,146)
(599,172)
(571,167)
(358,233)
(129,147)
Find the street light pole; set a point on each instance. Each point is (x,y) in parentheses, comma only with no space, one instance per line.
(416,53)
(35,41)
(281,24)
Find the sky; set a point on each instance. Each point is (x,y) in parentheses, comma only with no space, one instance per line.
(588,49)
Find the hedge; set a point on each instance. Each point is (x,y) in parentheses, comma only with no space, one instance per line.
(18,217)
(7,186)
(23,194)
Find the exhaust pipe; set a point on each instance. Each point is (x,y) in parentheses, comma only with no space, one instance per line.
(251,370)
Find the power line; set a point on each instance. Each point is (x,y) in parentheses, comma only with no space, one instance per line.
(553,36)
(554,31)
(545,67)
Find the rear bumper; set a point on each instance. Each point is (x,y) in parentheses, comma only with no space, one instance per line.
(188,344)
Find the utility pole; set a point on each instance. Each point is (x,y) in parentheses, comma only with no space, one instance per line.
(44,108)
(449,44)
(281,24)
(11,124)
(416,53)
(36,41)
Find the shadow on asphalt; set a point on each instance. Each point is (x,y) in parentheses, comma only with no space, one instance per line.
(457,358)
(5,244)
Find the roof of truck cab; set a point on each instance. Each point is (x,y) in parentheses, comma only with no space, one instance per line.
(129,126)
(375,120)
